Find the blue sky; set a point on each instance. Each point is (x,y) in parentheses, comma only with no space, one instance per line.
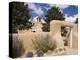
(40,9)
(71,10)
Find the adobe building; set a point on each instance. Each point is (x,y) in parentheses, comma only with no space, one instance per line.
(55,32)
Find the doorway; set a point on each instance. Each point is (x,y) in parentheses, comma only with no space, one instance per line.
(66,34)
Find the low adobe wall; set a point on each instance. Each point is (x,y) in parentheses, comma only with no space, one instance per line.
(27,37)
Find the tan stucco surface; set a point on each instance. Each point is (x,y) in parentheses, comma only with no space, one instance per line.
(55,32)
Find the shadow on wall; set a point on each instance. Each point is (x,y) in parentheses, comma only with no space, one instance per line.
(17,46)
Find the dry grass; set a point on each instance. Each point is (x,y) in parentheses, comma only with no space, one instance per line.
(43,43)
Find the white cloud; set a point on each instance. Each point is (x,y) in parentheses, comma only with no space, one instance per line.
(62,6)
(70,18)
(39,11)
(46,8)
(51,5)
(31,6)
(36,9)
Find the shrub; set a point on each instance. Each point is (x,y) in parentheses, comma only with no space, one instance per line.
(45,27)
(44,43)
(30,54)
(17,47)
(40,53)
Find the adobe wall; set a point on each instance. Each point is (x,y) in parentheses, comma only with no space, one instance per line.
(55,28)
(75,37)
(55,32)
(27,37)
